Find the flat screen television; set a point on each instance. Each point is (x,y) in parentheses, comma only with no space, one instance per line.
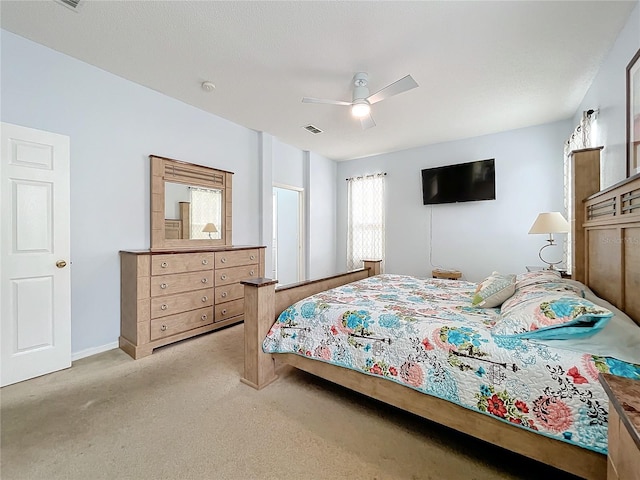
(464,182)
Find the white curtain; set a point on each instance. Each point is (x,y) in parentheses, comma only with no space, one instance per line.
(580,138)
(365,223)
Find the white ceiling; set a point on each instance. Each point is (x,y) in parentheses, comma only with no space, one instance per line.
(482,66)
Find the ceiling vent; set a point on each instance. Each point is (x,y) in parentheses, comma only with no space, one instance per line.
(312,129)
(74,5)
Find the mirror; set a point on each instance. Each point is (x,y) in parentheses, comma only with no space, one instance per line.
(190,205)
(192,212)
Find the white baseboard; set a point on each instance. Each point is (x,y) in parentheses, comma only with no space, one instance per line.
(93,351)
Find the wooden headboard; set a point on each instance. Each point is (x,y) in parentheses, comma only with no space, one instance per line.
(612,245)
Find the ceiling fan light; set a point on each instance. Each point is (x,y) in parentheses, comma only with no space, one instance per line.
(360,110)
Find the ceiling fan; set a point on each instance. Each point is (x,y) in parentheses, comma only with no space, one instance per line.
(362,101)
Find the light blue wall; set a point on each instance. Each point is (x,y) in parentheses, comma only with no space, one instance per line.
(607,94)
(475,237)
(323,185)
(288,164)
(114,125)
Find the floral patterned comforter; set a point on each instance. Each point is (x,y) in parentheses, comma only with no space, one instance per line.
(424,333)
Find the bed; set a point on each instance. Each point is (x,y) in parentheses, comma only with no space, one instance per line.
(475,381)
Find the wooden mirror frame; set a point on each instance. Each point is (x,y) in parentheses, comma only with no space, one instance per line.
(175,171)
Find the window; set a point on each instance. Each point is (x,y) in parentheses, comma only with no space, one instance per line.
(204,202)
(365,220)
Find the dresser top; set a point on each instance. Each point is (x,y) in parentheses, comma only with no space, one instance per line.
(624,394)
(193,250)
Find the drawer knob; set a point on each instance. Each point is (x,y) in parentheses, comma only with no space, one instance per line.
(223,260)
(223,294)
(224,311)
(163,264)
(204,280)
(223,277)
(252,257)
(203,317)
(251,273)
(163,286)
(163,306)
(163,328)
(204,299)
(204,262)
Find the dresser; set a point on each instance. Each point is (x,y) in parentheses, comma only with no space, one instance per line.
(623,460)
(169,296)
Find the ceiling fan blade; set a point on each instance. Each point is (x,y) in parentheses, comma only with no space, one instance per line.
(321,100)
(402,85)
(367,122)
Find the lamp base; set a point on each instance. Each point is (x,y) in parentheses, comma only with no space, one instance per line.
(551,264)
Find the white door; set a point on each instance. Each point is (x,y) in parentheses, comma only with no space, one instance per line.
(287,243)
(35,280)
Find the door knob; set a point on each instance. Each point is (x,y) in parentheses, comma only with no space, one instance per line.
(61,264)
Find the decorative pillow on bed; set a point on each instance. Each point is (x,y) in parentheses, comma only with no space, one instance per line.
(494,290)
(534,278)
(555,316)
(538,290)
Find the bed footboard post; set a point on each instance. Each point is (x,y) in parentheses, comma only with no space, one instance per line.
(374,266)
(259,315)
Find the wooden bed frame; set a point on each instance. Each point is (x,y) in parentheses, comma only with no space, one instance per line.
(611,267)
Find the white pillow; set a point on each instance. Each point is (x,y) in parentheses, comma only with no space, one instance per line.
(494,290)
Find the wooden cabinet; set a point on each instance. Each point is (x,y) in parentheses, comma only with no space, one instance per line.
(623,460)
(170,296)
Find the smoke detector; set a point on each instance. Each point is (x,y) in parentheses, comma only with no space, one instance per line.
(208,86)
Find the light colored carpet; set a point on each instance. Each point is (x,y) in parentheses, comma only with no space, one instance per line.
(182,413)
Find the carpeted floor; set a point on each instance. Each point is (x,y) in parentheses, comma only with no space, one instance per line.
(182,413)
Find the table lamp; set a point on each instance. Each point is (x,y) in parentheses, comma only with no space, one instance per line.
(549,222)
(210,228)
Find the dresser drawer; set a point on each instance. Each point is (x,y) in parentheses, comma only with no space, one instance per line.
(180,282)
(236,258)
(174,324)
(229,309)
(225,276)
(226,293)
(181,263)
(171,304)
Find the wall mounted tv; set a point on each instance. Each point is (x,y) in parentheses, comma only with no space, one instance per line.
(464,182)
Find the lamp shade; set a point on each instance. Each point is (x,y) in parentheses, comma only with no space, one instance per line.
(550,222)
(210,228)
